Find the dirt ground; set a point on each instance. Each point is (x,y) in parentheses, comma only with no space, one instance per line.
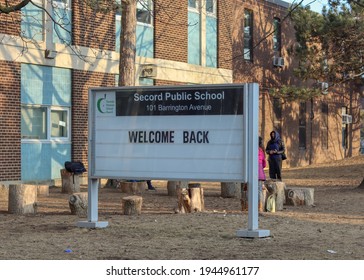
(332,229)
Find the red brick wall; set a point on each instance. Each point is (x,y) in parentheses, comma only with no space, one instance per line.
(10,23)
(81,82)
(225,26)
(261,69)
(93,29)
(170,30)
(166,83)
(10,121)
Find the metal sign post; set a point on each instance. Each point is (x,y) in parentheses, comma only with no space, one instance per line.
(251,107)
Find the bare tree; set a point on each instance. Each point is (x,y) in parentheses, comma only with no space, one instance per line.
(128,43)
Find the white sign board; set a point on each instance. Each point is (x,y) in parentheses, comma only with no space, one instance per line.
(201,133)
(167,133)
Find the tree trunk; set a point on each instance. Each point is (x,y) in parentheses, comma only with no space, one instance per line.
(132,205)
(197,200)
(4,192)
(190,199)
(78,203)
(70,182)
(173,185)
(300,196)
(111,183)
(127,43)
(22,199)
(43,190)
(230,189)
(278,189)
(183,200)
(132,187)
(127,47)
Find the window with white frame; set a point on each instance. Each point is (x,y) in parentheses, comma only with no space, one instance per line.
(61,3)
(277,36)
(193,4)
(62,17)
(211,7)
(32,18)
(144,28)
(45,122)
(144,11)
(248,35)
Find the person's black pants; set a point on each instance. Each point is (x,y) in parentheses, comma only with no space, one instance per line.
(275,168)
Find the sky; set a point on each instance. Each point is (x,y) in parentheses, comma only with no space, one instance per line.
(315,6)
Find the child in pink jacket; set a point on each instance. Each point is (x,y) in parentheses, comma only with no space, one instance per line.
(261,175)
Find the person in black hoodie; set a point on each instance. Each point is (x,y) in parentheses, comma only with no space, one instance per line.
(275,148)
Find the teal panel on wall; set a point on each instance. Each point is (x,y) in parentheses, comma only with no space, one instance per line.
(32,22)
(194,41)
(45,85)
(31,84)
(62,30)
(211,41)
(59,154)
(144,39)
(144,44)
(43,161)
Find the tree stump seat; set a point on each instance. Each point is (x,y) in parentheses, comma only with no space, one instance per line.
(230,189)
(137,187)
(190,199)
(22,199)
(173,185)
(132,205)
(43,190)
(70,182)
(299,196)
(276,188)
(78,203)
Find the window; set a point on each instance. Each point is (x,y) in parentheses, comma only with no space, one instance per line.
(59,120)
(144,10)
(62,15)
(202,33)
(248,35)
(44,122)
(211,7)
(32,19)
(324,125)
(277,115)
(302,125)
(144,29)
(194,34)
(33,122)
(277,46)
(193,4)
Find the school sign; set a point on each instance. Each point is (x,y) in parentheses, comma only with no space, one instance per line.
(168,133)
(191,133)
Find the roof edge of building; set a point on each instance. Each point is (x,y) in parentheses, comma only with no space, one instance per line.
(280,3)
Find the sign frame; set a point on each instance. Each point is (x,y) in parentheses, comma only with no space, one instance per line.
(249,149)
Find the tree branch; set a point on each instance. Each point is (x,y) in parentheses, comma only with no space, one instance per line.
(10,9)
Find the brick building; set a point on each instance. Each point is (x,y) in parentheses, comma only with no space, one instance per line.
(47,71)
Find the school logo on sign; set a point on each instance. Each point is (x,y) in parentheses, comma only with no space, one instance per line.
(105,103)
